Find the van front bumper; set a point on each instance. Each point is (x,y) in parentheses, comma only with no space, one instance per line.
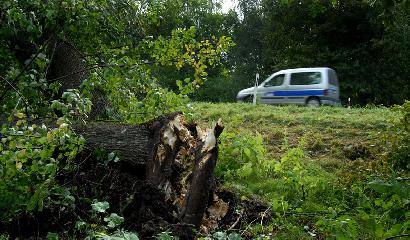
(241,98)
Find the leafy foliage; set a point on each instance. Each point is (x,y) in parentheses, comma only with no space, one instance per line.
(31,156)
(146,58)
(115,46)
(119,59)
(103,226)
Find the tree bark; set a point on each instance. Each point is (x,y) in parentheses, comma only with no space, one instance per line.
(132,143)
(68,66)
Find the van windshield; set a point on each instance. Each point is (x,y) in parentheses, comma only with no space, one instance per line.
(305,78)
(275,81)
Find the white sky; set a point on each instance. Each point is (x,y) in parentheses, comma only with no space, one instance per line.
(227,5)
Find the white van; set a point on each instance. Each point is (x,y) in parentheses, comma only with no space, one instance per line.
(303,86)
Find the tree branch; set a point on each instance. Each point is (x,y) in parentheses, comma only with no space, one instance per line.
(398,236)
(18,92)
(27,65)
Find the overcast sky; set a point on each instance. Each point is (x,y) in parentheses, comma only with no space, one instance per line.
(227,5)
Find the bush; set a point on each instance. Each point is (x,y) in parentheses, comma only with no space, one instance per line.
(222,89)
(245,165)
(241,155)
(30,156)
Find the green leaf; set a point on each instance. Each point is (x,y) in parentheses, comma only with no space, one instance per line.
(247,152)
(395,230)
(20,115)
(100,207)
(219,236)
(275,204)
(113,220)
(34,200)
(52,236)
(111,156)
(80,225)
(234,236)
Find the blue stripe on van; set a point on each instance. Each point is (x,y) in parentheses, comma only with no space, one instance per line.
(285,93)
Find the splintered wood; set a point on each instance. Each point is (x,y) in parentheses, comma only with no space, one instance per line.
(197,151)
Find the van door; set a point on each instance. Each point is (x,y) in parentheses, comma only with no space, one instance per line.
(303,85)
(270,87)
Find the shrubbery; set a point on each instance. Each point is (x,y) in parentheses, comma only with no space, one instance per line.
(31,156)
(222,89)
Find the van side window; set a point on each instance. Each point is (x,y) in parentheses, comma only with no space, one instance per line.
(333,78)
(275,81)
(305,78)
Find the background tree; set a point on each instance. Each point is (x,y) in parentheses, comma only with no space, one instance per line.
(353,37)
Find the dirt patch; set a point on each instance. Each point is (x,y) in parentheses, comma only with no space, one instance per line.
(356,151)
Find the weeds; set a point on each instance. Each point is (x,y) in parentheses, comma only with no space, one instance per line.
(320,170)
(399,138)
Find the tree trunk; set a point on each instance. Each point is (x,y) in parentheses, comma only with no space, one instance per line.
(168,144)
(68,66)
(131,143)
(206,155)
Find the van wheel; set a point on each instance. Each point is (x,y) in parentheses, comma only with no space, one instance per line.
(313,103)
(248,99)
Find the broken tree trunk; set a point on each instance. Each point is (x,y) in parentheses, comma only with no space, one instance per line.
(179,159)
(67,66)
(206,155)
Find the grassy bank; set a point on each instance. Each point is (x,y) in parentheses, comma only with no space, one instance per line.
(322,171)
(331,137)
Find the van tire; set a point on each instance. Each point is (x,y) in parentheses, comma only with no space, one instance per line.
(313,102)
(248,99)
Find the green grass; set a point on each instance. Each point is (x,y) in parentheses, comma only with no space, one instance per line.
(312,166)
(330,131)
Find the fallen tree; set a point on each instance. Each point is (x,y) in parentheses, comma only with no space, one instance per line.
(163,182)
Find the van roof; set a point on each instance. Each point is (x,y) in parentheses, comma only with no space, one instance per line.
(304,69)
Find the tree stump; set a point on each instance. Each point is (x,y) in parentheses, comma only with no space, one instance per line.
(179,159)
